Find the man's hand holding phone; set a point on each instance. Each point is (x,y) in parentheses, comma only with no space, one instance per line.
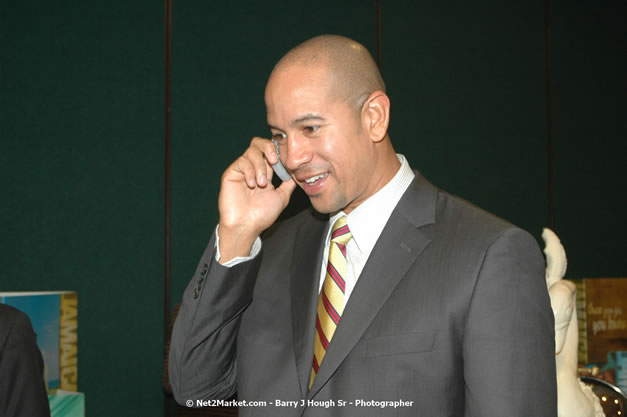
(248,202)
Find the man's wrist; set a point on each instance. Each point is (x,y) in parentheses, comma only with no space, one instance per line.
(232,244)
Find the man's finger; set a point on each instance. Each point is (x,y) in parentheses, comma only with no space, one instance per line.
(243,166)
(267,148)
(285,191)
(258,159)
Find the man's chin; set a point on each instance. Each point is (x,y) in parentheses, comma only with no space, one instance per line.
(324,205)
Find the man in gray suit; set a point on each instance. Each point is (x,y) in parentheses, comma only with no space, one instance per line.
(429,306)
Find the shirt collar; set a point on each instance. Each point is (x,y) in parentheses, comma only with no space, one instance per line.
(367,221)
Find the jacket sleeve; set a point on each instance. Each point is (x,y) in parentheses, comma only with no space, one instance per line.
(203,357)
(509,343)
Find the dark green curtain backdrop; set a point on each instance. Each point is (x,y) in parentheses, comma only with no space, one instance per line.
(589,62)
(81,134)
(468,93)
(81,167)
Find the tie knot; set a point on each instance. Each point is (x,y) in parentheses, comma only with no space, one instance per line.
(340,232)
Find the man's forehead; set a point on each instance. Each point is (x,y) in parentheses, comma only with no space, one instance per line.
(303,95)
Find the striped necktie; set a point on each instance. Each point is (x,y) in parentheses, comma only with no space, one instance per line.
(331,299)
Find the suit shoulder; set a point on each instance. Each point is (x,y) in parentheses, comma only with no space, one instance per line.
(13,322)
(9,314)
(425,204)
(471,226)
(464,214)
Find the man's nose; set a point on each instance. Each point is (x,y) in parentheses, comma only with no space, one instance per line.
(298,152)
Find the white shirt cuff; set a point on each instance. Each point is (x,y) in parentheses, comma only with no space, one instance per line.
(254,251)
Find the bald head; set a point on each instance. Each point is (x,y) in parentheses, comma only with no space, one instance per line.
(351,71)
(327,109)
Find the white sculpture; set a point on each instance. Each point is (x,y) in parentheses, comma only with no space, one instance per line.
(574,398)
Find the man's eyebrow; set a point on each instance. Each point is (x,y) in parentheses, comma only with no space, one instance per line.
(305,118)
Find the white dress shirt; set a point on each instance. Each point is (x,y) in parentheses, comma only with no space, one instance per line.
(366,222)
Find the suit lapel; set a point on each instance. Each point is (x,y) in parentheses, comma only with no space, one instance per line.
(305,277)
(399,245)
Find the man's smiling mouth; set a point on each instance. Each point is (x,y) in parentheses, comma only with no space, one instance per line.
(316,178)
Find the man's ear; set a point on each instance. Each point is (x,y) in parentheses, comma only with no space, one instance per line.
(376,115)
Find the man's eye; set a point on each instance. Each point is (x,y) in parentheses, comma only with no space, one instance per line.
(311,129)
(279,136)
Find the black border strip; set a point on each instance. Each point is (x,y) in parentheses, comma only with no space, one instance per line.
(167,115)
(379,25)
(548,114)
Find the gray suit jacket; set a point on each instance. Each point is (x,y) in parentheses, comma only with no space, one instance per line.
(451,315)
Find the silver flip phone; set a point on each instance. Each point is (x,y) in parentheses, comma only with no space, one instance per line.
(278,168)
